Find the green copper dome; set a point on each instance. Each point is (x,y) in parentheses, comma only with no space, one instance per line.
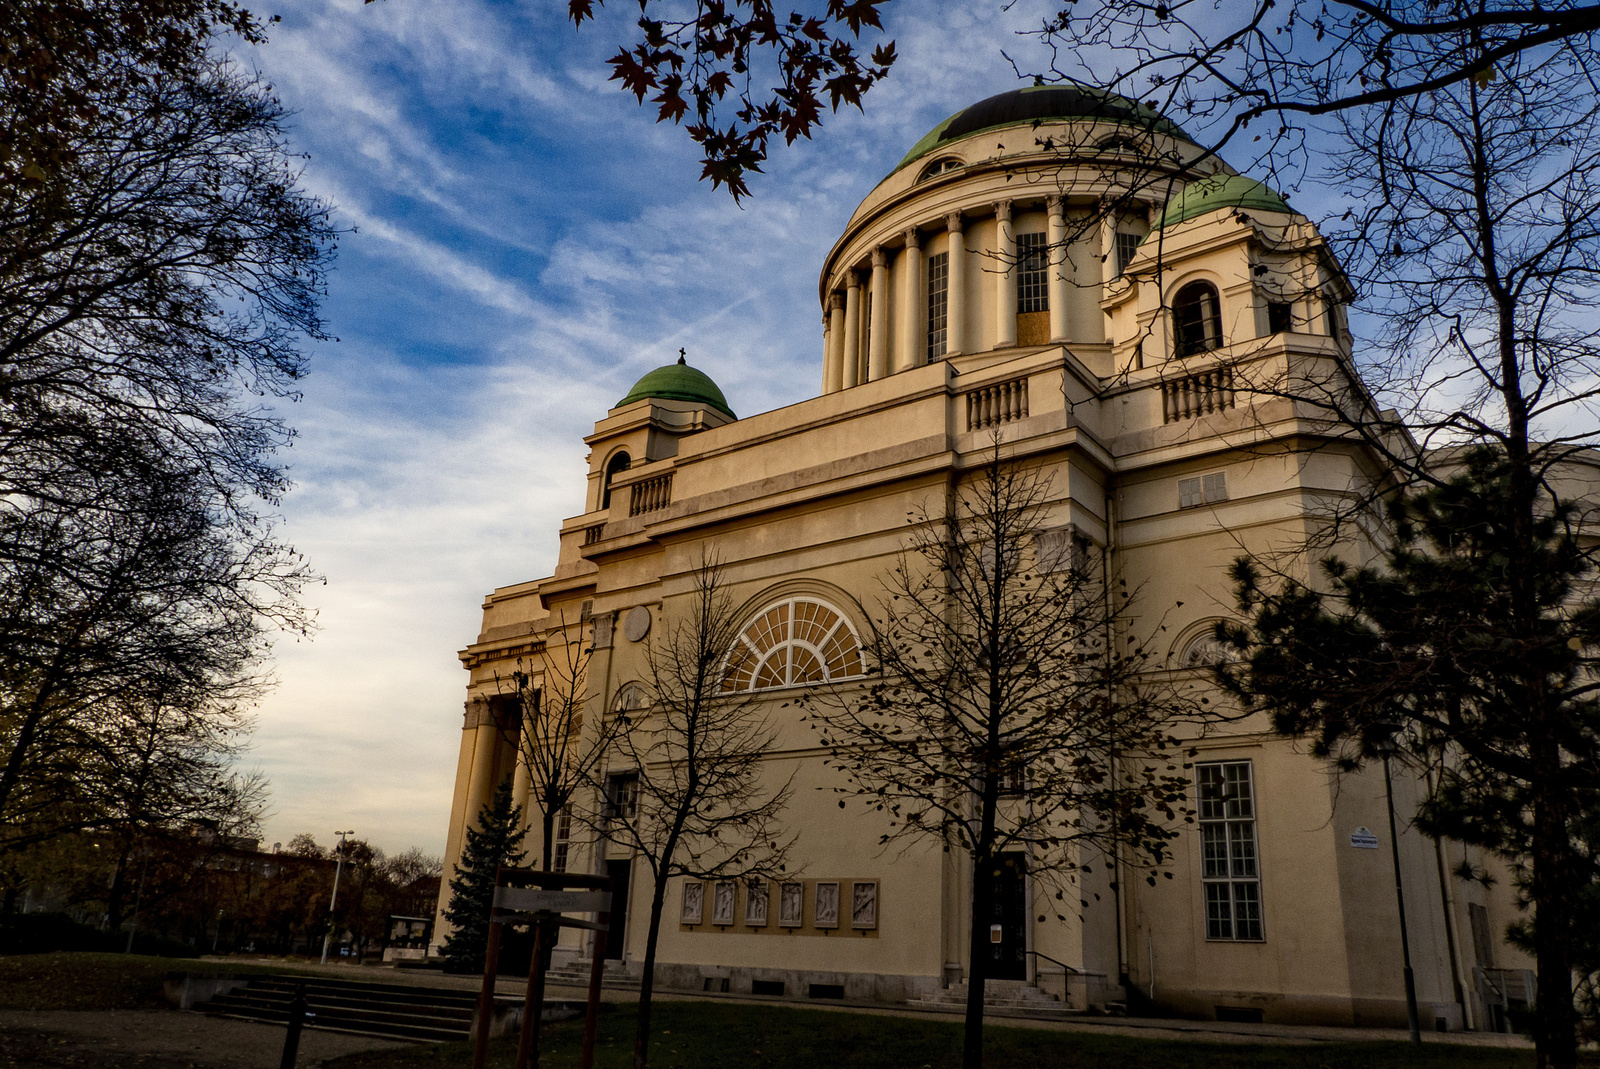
(1220,191)
(679,382)
(1041,103)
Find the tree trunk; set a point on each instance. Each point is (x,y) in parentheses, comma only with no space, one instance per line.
(1555,1032)
(647,982)
(977,962)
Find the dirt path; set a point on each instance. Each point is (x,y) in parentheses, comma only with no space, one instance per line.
(157,1039)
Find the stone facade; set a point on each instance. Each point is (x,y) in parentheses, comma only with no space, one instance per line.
(1171,465)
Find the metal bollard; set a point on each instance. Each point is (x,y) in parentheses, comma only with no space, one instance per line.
(297,1020)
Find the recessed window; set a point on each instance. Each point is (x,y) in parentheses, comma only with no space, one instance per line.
(1033,262)
(1280,318)
(1127,249)
(939,167)
(622,795)
(795,642)
(614,467)
(1202,490)
(938,304)
(1229,869)
(1197,319)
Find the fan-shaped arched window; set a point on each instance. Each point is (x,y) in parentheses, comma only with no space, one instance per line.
(614,467)
(793,642)
(1197,319)
(940,166)
(631,697)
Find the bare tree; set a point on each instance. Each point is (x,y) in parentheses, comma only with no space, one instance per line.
(686,781)
(1014,712)
(560,756)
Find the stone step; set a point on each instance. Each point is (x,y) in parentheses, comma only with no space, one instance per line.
(415,1014)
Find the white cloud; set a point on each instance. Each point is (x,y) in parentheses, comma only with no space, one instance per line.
(529,244)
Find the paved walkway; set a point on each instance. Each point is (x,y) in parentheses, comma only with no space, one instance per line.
(158,1039)
(1143,1027)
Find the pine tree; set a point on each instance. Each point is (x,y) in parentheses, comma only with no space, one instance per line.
(496,841)
(1474,645)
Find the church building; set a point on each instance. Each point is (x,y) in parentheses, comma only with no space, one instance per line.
(1065,269)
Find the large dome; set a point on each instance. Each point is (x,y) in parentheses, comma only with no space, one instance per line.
(1040,103)
(679,382)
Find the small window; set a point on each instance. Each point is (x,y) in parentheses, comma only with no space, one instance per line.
(1127,249)
(938,304)
(939,167)
(1197,319)
(1279,318)
(622,796)
(1330,317)
(614,467)
(1033,263)
(1202,490)
(1229,869)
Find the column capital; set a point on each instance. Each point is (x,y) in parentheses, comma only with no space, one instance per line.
(836,301)
(1002,210)
(880,257)
(1057,206)
(913,238)
(852,279)
(953,222)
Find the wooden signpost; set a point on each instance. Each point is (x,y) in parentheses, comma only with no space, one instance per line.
(540,899)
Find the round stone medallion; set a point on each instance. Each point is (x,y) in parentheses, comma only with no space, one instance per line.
(636,624)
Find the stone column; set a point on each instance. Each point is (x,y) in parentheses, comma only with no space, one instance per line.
(1005,280)
(481,792)
(914,329)
(835,342)
(827,353)
(1057,282)
(956,288)
(878,329)
(852,330)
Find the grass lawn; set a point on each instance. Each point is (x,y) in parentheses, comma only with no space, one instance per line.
(94,981)
(712,1035)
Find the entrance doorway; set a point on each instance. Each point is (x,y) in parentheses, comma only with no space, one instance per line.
(1008,958)
(617,937)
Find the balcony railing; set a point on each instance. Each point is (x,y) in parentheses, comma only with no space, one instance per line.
(991,406)
(1197,395)
(651,494)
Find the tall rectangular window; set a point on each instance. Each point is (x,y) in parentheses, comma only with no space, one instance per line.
(561,840)
(938,304)
(1229,872)
(1127,247)
(622,795)
(1033,273)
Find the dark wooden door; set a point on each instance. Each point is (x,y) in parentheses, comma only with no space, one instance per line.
(617,937)
(1008,958)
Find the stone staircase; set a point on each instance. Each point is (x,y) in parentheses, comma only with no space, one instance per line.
(576,974)
(415,1014)
(1001,998)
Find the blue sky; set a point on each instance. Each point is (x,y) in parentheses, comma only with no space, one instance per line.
(527,244)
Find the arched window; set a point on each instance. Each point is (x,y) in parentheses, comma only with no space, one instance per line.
(631,698)
(939,167)
(614,467)
(1197,319)
(792,642)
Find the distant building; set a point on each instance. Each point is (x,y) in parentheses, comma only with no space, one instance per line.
(965,295)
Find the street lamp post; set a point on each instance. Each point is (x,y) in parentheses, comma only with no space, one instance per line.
(338,870)
(1387,746)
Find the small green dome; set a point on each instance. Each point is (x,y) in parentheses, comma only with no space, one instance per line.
(1220,191)
(1042,103)
(679,382)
